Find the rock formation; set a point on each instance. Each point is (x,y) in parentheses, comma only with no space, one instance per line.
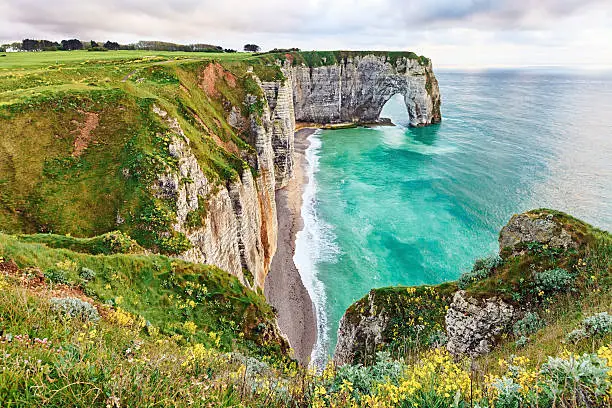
(357,88)
(360,333)
(530,227)
(473,325)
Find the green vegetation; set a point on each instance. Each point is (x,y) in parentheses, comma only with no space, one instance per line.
(323,58)
(415,318)
(114,242)
(83,147)
(162,291)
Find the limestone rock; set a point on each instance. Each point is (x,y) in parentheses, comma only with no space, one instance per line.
(231,235)
(473,325)
(279,95)
(529,227)
(356,89)
(360,332)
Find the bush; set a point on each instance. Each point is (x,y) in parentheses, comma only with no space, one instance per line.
(553,280)
(57,276)
(87,274)
(75,308)
(598,325)
(521,341)
(438,339)
(577,335)
(363,379)
(483,268)
(118,243)
(584,378)
(528,325)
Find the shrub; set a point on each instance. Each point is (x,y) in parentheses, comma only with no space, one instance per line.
(521,341)
(598,325)
(363,379)
(528,325)
(577,335)
(582,378)
(87,274)
(56,275)
(482,269)
(437,339)
(553,280)
(75,308)
(118,243)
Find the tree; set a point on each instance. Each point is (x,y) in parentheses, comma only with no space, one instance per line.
(29,45)
(252,48)
(110,45)
(93,44)
(74,44)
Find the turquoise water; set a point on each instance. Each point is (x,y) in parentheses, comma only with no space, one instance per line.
(396,205)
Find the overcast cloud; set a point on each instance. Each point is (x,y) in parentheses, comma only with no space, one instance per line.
(466,33)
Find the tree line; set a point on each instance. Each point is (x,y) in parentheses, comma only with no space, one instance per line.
(75,44)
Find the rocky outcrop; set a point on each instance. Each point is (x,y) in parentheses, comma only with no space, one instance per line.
(357,88)
(230,235)
(473,325)
(535,227)
(360,332)
(279,95)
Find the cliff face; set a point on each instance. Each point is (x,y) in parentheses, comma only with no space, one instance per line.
(239,226)
(356,89)
(239,231)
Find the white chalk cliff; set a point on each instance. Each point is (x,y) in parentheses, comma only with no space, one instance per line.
(240,229)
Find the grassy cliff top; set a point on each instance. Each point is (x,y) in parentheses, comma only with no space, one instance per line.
(323,58)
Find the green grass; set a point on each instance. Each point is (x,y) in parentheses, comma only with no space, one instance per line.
(414,314)
(164,291)
(45,188)
(29,60)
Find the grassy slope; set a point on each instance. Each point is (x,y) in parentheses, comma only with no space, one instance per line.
(52,361)
(159,289)
(44,102)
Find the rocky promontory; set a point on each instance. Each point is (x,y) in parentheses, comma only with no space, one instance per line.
(543,264)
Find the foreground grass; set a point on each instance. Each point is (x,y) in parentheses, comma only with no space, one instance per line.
(176,334)
(54,361)
(163,293)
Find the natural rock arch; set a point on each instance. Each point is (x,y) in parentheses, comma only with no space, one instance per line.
(356,89)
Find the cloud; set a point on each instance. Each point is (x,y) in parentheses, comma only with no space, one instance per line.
(308,24)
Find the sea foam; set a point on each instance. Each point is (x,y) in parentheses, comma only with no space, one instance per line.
(315,244)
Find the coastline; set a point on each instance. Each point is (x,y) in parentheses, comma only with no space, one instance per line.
(284,288)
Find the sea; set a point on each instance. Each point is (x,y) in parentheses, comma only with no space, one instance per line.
(397,205)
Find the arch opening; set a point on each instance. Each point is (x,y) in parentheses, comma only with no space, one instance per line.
(396,109)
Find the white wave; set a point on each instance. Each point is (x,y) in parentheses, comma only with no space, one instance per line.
(313,245)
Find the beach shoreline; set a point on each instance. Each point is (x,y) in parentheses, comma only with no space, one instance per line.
(284,288)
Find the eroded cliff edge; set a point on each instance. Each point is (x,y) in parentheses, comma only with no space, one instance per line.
(187,154)
(241,229)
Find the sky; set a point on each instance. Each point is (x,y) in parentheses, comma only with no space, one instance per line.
(453,33)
